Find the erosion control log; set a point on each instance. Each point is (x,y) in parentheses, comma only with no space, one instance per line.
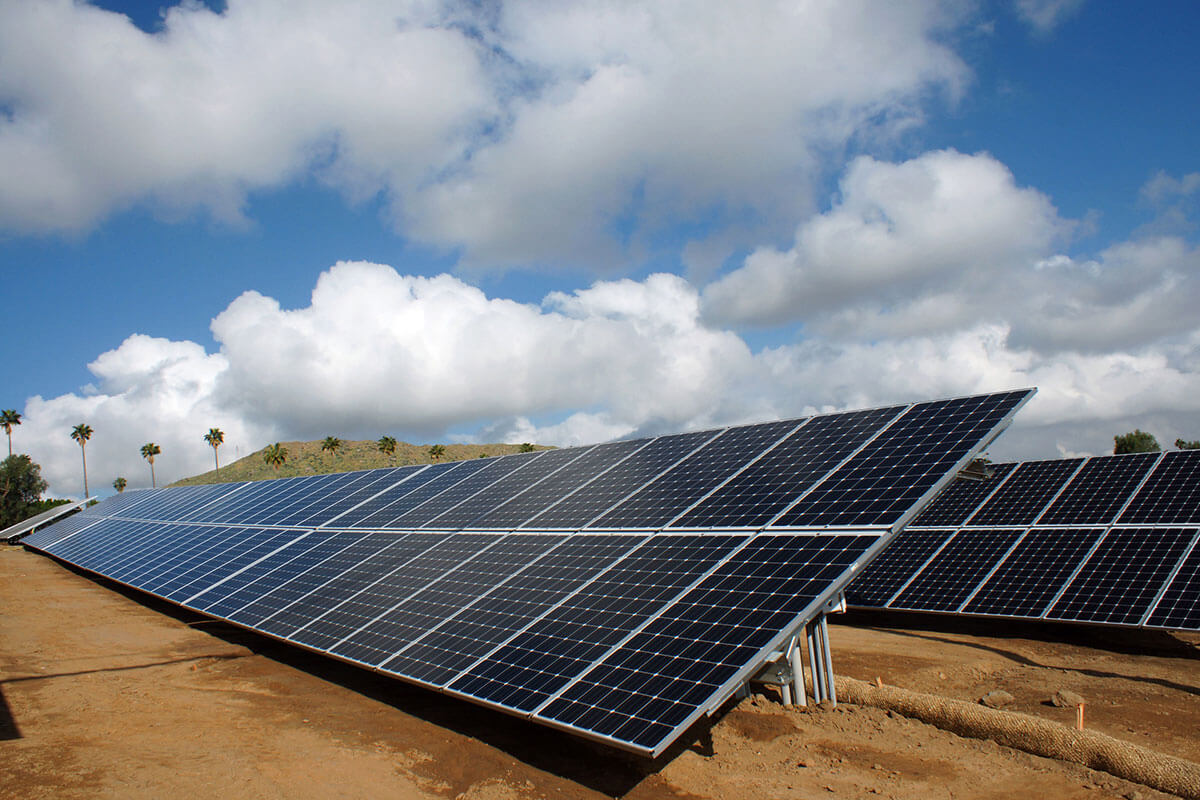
(1033,735)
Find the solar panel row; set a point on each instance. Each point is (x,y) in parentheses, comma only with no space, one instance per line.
(1109,539)
(666,592)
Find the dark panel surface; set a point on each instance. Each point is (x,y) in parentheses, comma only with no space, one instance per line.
(657,681)
(1171,495)
(659,502)
(627,477)
(1034,572)
(1099,490)
(1023,496)
(884,576)
(951,576)
(1123,576)
(1179,607)
(956,502)
(889,476)
(766,487)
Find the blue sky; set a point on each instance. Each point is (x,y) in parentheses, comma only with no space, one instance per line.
(523,222)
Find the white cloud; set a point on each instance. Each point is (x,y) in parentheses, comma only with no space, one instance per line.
(435,358)
(529,133)
(946,241)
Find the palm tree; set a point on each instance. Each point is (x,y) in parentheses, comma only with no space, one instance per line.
(525,447)
(8,418)
(331,443)
(276,455)
(81,433)
(436,451)
(387,446)
(119,484)
(215,438)
(149,451)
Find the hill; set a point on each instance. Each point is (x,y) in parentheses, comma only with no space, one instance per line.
(307,458)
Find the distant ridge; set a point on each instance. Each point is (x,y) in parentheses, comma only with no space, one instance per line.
(307,458)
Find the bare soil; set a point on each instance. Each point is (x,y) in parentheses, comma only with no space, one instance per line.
(106,693)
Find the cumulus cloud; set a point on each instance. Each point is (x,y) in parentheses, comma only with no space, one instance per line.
(430,358)
(947,240)
(528,132)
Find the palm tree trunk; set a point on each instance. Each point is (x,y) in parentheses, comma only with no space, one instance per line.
(216,463)
(10,444)
(153,484)
(83,453)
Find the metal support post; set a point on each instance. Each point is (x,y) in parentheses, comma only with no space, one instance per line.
(797,661)
(827,659)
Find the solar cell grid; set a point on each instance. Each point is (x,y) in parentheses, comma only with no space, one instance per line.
(348,583)
(538,496)
(540,660)
(226,587)
(949,578)
(290,507)
(755,495)
(955,503)
(244,547)
(1122,577)
(594,499)
(424,612)
(330,498)
(1099,490)
(488,474)
(539,466)
(406,480)
(1034,572)
(173,506)
(880,484)
(1026,492)
(663,499)
(442,655)
(227,507)
(435,480)
(657,681)
(441,555)
(64,528)
(1171,494)
(328,562)
(894,566)
(1179,607)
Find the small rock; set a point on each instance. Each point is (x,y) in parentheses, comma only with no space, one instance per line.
(1133,794)
(1065,698)
(997,698)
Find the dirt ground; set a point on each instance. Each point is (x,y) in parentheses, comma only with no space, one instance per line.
(105,693)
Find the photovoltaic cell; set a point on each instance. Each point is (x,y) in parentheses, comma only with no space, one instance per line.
(441,555)
(444,654)
(1033,573)
(490,472)
(955,503)
(541,464)
(884,576)
(1029,490)
(1179,607)
(428,609)
(538,496)
(619,482)
(61,530)
(1171,495)
(663,499)
(657,681)
(767,486)
(406,479)
(1099,490)
(1123,576)
(433,481)
(902,464)
(564,643)
(949,578)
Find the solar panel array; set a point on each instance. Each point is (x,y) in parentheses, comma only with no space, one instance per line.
(1109,540)
(617,591)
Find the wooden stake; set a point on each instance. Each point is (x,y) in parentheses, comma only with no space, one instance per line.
(1079,717)
(878,682)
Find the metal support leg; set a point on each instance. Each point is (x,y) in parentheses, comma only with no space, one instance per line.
(797,662)
(814,661)
(827,659)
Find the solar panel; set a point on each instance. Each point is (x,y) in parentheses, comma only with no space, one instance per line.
(1027,491)
(946,581)
(955,504)
(1179,606)
(1120,580)
(1072,562)
(44,518)
(905,462)
(623,627)
(1170,495)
